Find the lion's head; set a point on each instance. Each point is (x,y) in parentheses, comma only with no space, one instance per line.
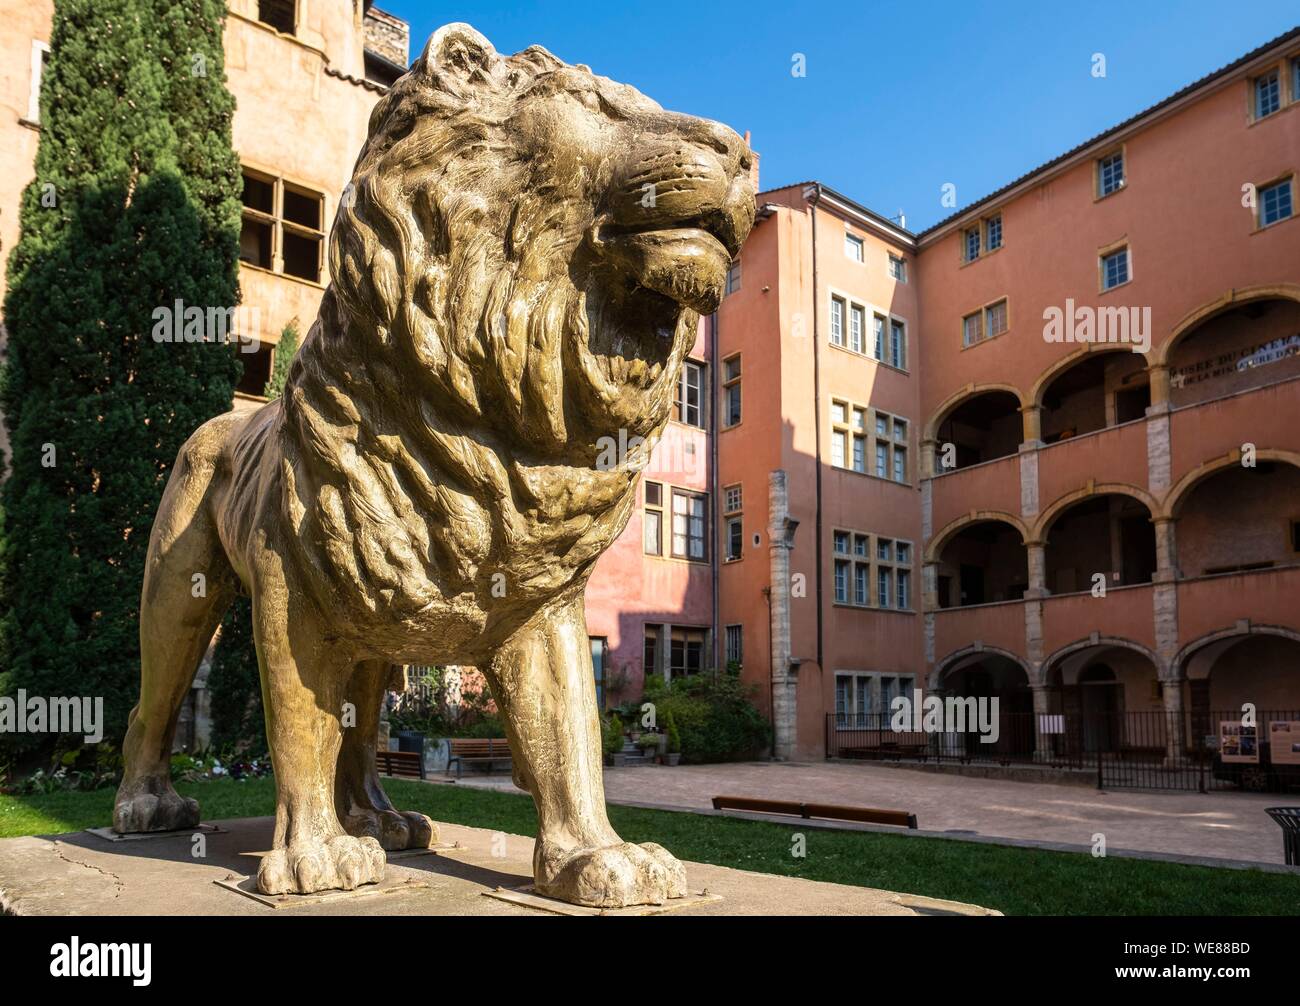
(535,242)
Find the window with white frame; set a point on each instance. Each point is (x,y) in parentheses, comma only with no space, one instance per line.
(653,519)
(995,318)
(735,542)
(1268,93)
(732,498)
(40,59)
(878,337)
(690,525)
(853,247)
(1275,202)
(837,321)
(993,233)
(857,318)
(972,328)
(972,244)
(690,395)
(897,344)
(898,268)
(1110,173)
(853,701)
(1114,269)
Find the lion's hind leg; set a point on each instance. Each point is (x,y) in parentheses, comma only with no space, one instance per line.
(359,798)
(188,585)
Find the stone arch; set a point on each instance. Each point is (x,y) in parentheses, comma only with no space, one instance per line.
(1035,397)
(1099,641)
(1159,356)
(1222,639)
(1063,503)
(974,653)
(945,534)
(1181,491)
(931,430)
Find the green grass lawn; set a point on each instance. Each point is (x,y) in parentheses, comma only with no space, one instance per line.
(1014,881)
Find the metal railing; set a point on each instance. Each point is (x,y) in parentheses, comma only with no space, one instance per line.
(1196,750)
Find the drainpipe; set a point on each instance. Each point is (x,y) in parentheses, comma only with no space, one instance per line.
(714,564)
(817,421)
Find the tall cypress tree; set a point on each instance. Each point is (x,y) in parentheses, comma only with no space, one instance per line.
(134,206)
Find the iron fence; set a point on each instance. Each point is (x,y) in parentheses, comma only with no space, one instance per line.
(1197,750)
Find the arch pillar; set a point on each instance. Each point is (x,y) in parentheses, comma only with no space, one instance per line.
(1042,709)
(929,458)
(1160,386)
(1036,554)
(1166,550)
(1032,417)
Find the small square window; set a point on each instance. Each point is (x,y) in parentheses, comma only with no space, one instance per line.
(837,412)
(853,247)
(1268,94)
(972,244)
(904,552)
(1110,174)
(972,328)
(1275,203)
(859,544)
(882,425)
(1114,269)
(732,498)
(654,494)
(884,549)
(859,419)
(842,542)
(900,429)
(898,268)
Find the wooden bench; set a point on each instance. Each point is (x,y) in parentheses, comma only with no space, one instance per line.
(830,811)
(477,749)
(407,764)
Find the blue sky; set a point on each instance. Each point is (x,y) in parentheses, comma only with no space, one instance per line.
(898,98)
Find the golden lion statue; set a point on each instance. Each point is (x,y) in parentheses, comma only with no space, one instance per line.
(518,267)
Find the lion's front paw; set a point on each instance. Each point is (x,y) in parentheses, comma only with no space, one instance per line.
(615,876)
(341,863)
(393,829)
(143,811)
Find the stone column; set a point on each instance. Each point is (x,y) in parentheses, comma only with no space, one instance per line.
(1166,550)
(780,535)
(1037,557)
(1033,424)
(1172,693)
(930,458)
(1042,707)
(666,657)
(1159,386)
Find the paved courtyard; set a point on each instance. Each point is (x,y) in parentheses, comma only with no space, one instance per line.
(1224,825)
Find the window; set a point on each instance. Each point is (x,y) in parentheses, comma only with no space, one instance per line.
(993,233)
(1268,94)
(257,369)
(1275,202)
(690,526)
(282,227)
(995,319)
(1110,173)
(900,430)
(853,701)
(897,345)
(884,583)
(842,567)
(731,391)
(837,322)
(733,276)
(856,317)
(732,499)
(650,650)
(859,454)
(686,653)
(653,527)
(972,328)
(860,573)
(735,641)
(841,540)
(1114,269)
(599,650)
(859,419)
(878,346)
(837,448)
(853,247)
(900,464)
(882,460)
(735,538)
(690,394)
(972,249)
(279,14)
(904,553)
(898,268)
(903,581)
(885,549)
(859,544)
(40,59)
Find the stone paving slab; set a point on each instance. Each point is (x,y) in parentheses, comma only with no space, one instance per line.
(1222,825)
(82,874)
